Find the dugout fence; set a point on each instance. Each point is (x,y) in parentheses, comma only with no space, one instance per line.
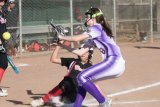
(131,20)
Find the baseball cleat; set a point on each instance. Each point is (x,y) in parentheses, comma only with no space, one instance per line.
(106,103)
(3,93)
(37,103)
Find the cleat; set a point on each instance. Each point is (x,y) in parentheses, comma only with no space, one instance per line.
(3,90)
(106,103)
(3,93)
(37,103)
(109,102)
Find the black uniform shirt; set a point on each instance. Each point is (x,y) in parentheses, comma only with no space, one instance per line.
(73,64)
(2,25)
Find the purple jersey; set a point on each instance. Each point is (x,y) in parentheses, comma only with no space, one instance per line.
(104,43)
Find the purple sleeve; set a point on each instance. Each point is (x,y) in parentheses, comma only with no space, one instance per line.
(89,43)
(94,32)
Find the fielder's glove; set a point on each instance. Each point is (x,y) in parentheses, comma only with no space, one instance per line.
(57,30)
(60,30)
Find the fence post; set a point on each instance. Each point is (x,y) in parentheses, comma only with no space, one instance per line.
(114,20)
(151,23)
(20,25)
(71,20)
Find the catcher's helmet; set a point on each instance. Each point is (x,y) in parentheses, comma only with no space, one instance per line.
(92,13)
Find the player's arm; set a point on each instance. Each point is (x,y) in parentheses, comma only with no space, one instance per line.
(74,38)
(76,51)
(54,57)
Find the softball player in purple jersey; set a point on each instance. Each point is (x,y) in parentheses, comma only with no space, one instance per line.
(99,35)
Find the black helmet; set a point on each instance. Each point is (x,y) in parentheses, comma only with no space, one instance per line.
(93,12)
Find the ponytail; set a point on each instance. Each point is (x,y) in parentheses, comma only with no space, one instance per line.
(97,13)
(105,25)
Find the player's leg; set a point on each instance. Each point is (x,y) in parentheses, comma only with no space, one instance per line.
(3,66)
(69,87)
(107,103)
(105,69)
(56,91)
(1,73)
(2,91)
(80,96)
(84,80)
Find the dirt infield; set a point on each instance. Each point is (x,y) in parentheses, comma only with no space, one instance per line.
(139,86)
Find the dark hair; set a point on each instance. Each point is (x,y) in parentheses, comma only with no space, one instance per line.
(2,0)
(100,19)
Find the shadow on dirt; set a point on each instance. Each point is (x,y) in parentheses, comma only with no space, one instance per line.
(33,95)
(17,102)
(29,92)
(49,104)
(150,47)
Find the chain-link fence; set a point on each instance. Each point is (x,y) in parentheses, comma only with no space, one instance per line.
(131,20)
(137,20)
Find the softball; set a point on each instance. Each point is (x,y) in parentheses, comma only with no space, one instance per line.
(6,35)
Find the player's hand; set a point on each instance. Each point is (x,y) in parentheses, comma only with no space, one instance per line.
(2,49)
(55,39)
(60,36)
(61,41)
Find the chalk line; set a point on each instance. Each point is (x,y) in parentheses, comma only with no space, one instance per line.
(128,91)
(20,65)
(134,89)
(127,102)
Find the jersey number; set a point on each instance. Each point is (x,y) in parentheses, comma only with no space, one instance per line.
(102,50)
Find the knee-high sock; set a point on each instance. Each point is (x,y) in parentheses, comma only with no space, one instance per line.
(56,91)
(1,74)
(80,97)
(92,89)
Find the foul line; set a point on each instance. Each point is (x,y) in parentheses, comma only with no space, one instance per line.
(137,102)
(128,91)
(134,89)
(20,65)
(127,102)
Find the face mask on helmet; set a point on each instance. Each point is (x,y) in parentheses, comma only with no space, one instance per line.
(89,15)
